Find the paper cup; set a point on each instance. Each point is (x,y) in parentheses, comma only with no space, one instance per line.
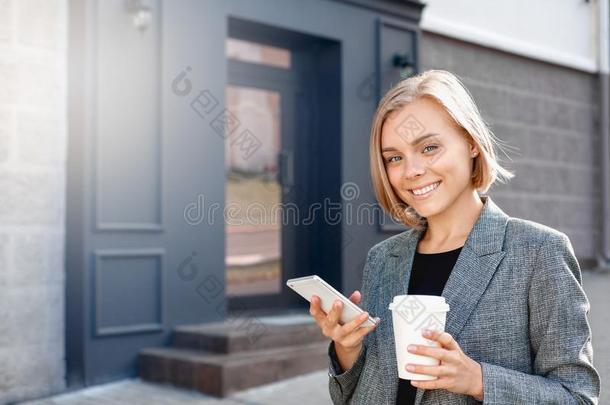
(411,314)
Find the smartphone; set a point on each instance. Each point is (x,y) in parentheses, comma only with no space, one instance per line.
(314,285)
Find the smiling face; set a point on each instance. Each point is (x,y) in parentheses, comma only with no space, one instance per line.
(427,157)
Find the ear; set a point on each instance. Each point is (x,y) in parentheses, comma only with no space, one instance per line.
(474,151)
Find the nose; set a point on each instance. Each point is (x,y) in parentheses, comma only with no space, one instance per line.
(413,168)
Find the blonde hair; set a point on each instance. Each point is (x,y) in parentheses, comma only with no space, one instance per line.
(446,89)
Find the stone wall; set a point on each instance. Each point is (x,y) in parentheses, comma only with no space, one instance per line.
(33,139)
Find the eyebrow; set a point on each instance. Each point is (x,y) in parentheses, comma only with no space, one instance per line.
(415,142)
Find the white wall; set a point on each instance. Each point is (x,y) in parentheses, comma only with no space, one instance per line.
(556,31)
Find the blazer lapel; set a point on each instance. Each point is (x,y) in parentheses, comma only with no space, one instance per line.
(473,270)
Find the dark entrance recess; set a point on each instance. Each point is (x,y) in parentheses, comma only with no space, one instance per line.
(290,100)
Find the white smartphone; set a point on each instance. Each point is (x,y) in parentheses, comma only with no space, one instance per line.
(314,285)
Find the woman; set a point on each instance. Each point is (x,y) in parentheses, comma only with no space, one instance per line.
(517,331)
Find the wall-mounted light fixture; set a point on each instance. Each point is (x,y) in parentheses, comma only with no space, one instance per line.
(405,64)
(141,13)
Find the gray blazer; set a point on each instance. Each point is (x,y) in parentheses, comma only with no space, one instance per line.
(517,307)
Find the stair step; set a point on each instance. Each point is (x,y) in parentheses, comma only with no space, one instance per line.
(245,334)
(221,374)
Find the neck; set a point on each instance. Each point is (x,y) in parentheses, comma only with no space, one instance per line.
(456,222)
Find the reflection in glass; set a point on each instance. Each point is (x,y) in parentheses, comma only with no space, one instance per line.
(253,233)
(252,52)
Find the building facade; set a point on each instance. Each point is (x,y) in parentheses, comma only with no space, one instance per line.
(143,157)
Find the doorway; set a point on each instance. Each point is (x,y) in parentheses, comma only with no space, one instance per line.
(281,165)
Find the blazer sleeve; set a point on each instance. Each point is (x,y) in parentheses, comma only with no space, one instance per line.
(560,337)
(342,383)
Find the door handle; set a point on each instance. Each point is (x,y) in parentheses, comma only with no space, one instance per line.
(286,165)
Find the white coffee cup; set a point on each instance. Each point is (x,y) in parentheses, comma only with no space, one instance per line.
(411,314)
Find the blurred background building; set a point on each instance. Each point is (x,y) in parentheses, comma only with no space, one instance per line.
(161,161)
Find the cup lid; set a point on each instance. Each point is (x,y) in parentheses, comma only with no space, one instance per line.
(428,299)
(437,308)
(429,303)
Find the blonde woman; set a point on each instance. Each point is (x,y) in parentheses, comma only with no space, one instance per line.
(517,331)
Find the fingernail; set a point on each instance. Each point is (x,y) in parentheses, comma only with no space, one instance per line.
(364,315)
(412,348)
(410,368)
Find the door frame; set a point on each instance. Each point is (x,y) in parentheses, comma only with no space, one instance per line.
(316,66)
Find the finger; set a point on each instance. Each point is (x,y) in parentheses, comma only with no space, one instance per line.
(445,339)
(435,352)
(332,319)
(358,335)
(436,371)
(312,304)
(355,297)
(431,385)
(316,311)
(355,323)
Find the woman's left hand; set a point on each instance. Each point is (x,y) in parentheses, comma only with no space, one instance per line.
(456,372)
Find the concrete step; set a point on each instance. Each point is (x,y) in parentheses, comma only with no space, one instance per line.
(248,334)
(221,374)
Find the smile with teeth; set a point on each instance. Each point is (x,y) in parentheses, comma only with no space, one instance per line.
(425,190)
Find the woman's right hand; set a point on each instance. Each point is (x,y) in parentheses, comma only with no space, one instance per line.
(348,336)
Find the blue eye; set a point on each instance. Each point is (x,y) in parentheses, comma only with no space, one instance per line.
(393,159)
(389,160)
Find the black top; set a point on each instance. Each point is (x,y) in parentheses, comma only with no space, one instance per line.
(429,275)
